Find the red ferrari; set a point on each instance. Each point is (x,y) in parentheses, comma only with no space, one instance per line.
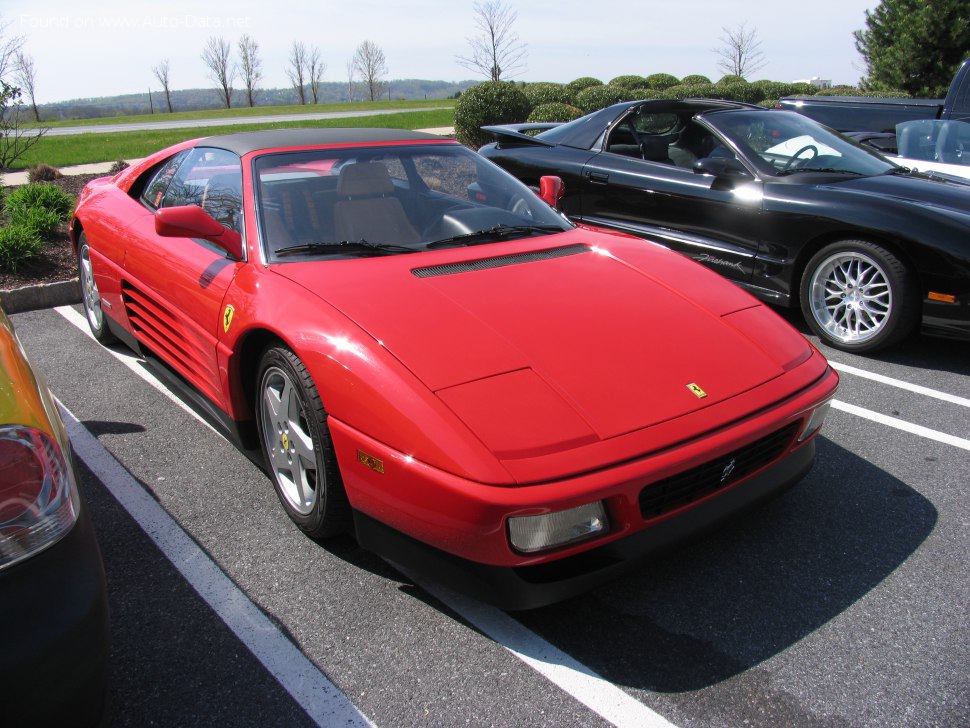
(433,358)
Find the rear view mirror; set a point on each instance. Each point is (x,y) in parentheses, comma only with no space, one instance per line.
(720,167)
(551,190)
(191,221)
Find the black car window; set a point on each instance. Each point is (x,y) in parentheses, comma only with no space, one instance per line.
(154,191)
(211,179)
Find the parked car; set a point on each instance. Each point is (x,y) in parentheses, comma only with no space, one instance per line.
(53,603)
(926,145)
(862,113)
(433,358)
(792,211)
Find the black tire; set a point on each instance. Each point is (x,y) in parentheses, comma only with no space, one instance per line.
(297,447)
(859,297)
(90,295)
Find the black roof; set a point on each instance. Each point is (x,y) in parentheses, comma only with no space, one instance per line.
(252,141)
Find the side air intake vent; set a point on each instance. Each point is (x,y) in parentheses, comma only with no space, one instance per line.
(499,262)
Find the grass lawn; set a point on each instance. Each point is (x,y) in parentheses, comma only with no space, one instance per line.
(61,151)
(254,111)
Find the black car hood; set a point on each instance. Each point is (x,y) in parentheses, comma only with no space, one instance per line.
(914,188)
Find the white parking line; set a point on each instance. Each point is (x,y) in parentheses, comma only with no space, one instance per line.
(599,695)
(308,686)
(899,383)
(902,425)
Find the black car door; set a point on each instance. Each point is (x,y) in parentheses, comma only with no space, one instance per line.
(634,185)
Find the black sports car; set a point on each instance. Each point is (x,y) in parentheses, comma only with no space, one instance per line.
(787,208)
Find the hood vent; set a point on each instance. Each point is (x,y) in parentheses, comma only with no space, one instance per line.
(499,262)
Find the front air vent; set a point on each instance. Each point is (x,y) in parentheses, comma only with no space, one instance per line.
(499,262)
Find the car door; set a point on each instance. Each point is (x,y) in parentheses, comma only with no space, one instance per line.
(174,287)
(633,184)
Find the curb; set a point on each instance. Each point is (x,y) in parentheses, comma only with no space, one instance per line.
(46,295)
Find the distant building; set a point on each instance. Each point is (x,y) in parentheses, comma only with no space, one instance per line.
(816,81)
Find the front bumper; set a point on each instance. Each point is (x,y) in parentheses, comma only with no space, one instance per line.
(54,634)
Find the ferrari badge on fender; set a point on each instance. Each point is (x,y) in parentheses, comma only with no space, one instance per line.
(227,318)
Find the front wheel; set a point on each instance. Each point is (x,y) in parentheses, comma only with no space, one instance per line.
(859,297)
(90,295)
(297,446)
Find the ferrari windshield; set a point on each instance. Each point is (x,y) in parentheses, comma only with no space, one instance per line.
(782,143)
(389,200)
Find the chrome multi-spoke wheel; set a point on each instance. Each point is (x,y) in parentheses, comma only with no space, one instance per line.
(90,294)
(288,441)
(858,296)
(296,443)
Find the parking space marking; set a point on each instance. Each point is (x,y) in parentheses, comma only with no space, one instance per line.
(899,383)
(596,693)
(323,702)
(902,425)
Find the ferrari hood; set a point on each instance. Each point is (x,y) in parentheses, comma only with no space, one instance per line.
(563,336)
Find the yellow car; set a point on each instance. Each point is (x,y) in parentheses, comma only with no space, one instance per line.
(53,601)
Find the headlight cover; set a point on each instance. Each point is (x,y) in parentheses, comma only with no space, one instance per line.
(38,496)
(529,534)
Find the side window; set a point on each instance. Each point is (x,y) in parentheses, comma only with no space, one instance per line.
(154,191)
(211,179)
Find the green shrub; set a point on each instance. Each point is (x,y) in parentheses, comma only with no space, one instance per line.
(691,91)
(581,84)
(739,92)
(694,79)
(17,246)
(43,173)
(661,81)
(803,89)
(554,112)
(492,102)
(730,78)
(629,82)
(547,93)
(638,94)
(38,207)
(774,89)
(599,97)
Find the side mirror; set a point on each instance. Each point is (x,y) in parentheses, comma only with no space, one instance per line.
(720,167)
(191,221)
(551,190)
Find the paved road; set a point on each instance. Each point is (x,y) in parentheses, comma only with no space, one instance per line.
(843,602)
(225,121)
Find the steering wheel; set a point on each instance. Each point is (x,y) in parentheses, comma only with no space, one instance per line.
(795,156)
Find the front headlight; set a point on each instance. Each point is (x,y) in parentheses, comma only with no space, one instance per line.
(38,497)
(529,534)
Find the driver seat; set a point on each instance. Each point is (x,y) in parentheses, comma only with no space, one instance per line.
(366,208)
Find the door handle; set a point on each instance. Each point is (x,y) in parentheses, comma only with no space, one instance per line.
(598,178)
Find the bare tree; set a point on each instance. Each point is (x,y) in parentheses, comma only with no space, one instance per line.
(217,56)
(371,66)
(297,71)
(496,50)
(315,70)
(740,52)
(26,74)
(14,140)
(250,66)
(161,72)
(350,79)
(9,48)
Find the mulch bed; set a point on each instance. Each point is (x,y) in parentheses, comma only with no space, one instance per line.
(56,260)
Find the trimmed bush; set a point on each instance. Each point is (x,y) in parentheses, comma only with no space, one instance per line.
(629,82)
(43,173)
(599,97)
(581,84)
(17,246)
(644,93)
(730,78)
(661,81)
(694,79)
(693,91)
(803,89)
(554,112)
(739,92)
(492,102)
(774,89)
(547,93)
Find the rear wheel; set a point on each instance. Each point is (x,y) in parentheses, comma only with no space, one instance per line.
(859,297)
(90,294)
(297,446)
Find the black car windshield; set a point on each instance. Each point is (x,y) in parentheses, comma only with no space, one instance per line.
(783,143)
(359,202)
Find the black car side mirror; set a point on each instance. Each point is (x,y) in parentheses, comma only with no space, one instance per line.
(720,167)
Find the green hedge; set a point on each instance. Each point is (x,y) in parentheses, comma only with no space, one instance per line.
(554,112)
(599,97)
(492,102)
(582,83)
(547,93)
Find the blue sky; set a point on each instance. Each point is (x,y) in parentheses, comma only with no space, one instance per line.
(106,48)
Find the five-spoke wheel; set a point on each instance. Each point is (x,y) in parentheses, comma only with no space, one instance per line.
(90,294)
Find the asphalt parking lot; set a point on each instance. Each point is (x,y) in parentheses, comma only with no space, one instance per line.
(842,603)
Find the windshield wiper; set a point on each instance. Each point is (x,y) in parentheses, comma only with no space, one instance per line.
(821,170)
(361,247)
(497,232)
(899,170)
